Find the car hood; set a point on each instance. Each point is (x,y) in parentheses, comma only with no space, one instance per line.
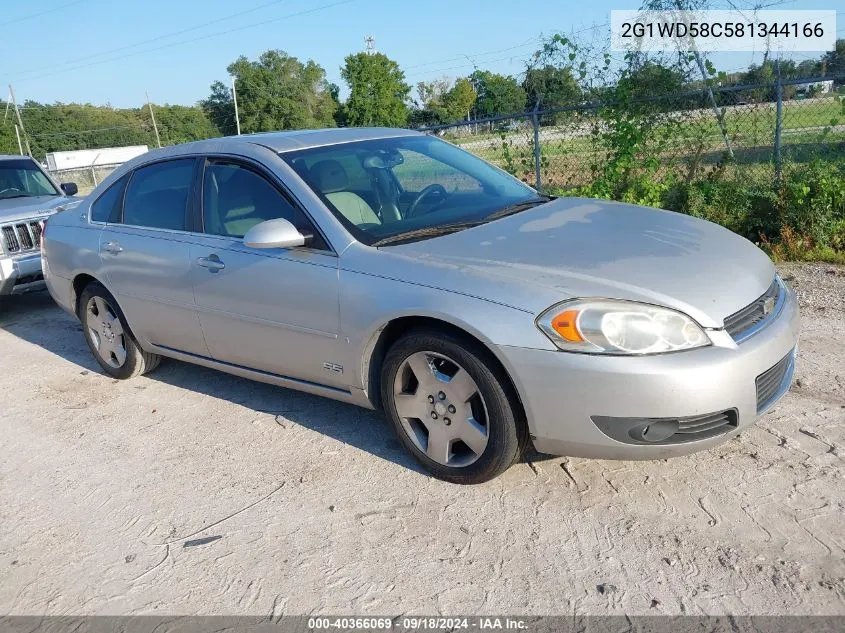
(13,209)
(576,247)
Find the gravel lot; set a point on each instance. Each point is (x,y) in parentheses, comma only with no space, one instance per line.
(191,491)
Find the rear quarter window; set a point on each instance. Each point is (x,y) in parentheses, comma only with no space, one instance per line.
(106,208)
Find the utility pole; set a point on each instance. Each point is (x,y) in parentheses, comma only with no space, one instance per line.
(18,134)
(153,117)
(20,123)
(235,99)
(778,123)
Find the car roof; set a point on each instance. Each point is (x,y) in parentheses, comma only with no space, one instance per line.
(303,139)
(14,157)
(279,141)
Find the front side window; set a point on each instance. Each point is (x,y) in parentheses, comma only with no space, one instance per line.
(157,195)
(21,178)
(384,189)
(235,198)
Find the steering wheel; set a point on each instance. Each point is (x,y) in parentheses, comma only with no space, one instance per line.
(430,190)
(10,189)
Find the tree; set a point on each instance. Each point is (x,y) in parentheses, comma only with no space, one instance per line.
(497,94)
(377,90)
(220,108)
(552,86)
(277,92)
(71,126)
(180,124)
(460,98)
(833,62)
(440,101)
(652,80)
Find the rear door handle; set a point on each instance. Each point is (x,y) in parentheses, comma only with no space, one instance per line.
(212,262)
(112,247)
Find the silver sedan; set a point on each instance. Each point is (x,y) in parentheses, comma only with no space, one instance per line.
(392,270)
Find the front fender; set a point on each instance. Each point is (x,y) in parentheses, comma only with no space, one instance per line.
(368,303)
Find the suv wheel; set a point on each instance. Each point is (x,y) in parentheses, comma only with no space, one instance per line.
(451,406)
(108,336)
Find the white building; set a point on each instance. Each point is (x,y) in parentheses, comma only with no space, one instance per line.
(57,161)
(821,87)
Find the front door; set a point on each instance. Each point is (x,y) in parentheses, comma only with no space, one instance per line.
(273,310)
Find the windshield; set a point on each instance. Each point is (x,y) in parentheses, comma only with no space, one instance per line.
(383,189)
(21,178)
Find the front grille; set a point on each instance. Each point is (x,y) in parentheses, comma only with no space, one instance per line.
(772,383)
(35,228)
(25,237)
(22,237)
(10,239)
(740,323)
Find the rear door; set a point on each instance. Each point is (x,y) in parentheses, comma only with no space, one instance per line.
(274,310)
(146,255)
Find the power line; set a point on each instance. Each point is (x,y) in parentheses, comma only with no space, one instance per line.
(528,42)
(492,61)
(40,13)
(468,64)
(190,41)
(149,41)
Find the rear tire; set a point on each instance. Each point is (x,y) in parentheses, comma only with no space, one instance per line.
(452,406)
(108,335)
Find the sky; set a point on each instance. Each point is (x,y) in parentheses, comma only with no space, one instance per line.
(112,52)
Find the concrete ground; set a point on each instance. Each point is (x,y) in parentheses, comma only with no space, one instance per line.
(191,491)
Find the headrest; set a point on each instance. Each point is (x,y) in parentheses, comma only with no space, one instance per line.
(329,176)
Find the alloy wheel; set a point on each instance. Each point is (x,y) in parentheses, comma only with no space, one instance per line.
(106,332)
(441,409)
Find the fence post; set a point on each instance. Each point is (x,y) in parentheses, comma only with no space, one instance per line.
(535,121)
(778,124)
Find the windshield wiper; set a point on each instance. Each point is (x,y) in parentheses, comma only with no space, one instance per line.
(18,195)
(429,231)
(445,229)
(516,208)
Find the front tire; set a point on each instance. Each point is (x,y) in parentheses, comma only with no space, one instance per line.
(452,407)
(108,336)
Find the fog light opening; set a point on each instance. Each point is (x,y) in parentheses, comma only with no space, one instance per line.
(656,431)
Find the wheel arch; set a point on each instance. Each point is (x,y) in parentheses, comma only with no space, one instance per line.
(80,282)
(395,328)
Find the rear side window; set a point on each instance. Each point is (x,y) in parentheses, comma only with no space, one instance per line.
(157,195)
(106,208)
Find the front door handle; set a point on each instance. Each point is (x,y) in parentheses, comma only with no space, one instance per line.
(212,262)
(112,247)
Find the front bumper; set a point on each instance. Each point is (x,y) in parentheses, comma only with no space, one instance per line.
(20,274)
(563,392)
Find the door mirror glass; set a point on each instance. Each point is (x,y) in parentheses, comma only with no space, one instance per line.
(70,188)
(278,233)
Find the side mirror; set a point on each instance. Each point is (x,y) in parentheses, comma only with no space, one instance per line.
(278,233)
(69,188)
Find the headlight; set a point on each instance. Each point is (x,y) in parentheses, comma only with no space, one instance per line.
(610,326)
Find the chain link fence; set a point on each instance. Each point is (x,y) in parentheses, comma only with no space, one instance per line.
(746,131)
